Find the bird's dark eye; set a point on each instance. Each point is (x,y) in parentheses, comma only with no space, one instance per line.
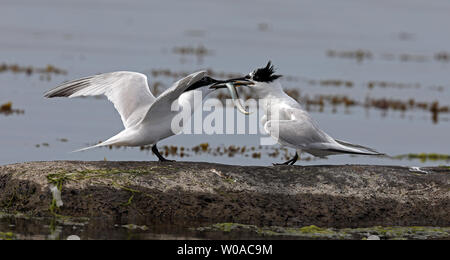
(247,77)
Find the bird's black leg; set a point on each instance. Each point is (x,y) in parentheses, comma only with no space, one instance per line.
(160,157)
(290,162)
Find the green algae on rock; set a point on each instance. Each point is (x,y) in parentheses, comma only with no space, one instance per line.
(314,232)
(6,236)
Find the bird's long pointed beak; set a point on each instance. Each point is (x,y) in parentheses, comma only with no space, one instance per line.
(237,82)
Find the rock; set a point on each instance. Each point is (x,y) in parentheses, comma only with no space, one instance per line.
(345,196)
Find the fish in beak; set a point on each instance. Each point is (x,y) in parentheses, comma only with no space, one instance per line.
(231,84)
(237,82)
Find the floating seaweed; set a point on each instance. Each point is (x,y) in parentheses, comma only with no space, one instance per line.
(434,107)
(189,50)
(7,109)
(255,152)
(412,58)
(45,72)
(359,55)
(332,82)
(385,84)
(43,144)
(322,101)
(423,157)
(200,52)
(258,152)
(442,56)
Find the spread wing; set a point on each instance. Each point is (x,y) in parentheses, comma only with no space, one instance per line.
(128,91)
(163,103)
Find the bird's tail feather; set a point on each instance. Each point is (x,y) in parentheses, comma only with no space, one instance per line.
(360,149)
(87,148)
(111,141)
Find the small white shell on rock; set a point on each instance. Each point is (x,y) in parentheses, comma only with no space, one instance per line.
(373,237)
(73,237)
(417,169)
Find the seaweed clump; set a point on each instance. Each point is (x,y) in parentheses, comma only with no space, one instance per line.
(423,157)
(7,109)
(45,72)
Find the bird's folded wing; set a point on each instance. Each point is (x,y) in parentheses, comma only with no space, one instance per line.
(128,91)
(163,103)
(303,133)
(295,133)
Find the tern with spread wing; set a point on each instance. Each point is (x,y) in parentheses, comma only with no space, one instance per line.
(289,124)
(147,119)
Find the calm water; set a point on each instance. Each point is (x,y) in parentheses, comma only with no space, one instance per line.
(50,229)
(306,40)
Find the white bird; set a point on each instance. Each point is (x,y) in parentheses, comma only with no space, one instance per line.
(147,119)
(290,125)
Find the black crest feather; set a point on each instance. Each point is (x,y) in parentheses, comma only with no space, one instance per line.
(265,74)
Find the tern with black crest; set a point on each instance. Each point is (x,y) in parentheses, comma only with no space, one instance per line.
(289,124)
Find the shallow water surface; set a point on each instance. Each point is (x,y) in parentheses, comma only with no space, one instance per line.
(12,228)
(58,229)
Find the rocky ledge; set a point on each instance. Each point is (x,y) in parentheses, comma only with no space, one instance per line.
(328,196)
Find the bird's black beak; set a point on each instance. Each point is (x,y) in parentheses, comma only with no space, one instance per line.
(237,82)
